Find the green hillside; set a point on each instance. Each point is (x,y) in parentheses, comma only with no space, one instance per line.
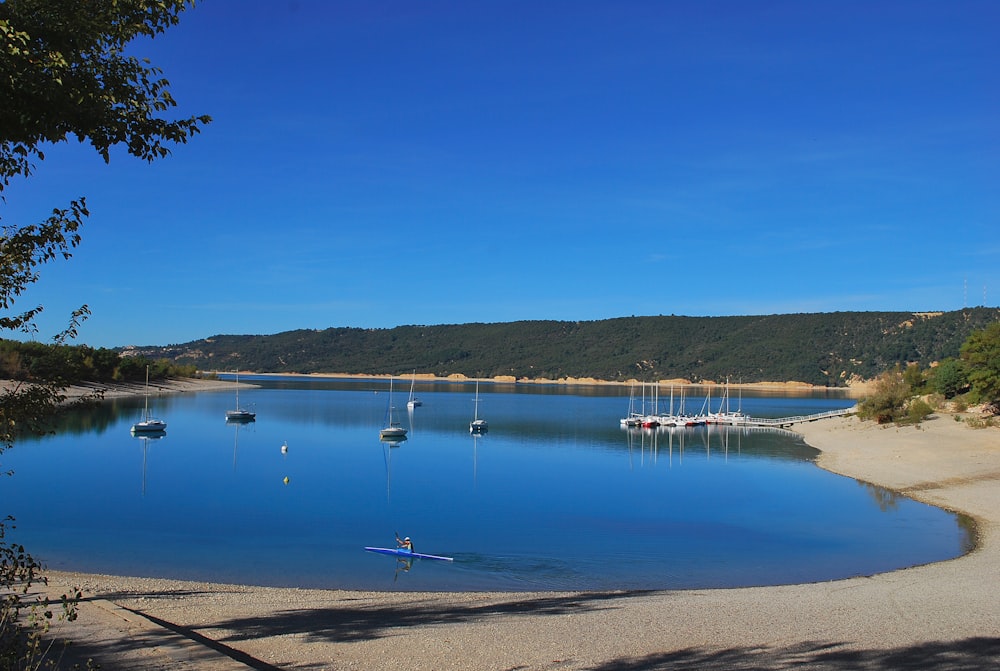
(822,349)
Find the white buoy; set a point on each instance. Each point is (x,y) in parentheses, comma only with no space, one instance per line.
(284,447)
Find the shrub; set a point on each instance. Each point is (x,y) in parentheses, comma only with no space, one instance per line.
(981,422)
(888,400)
(949,378)
(918,411)
(936,401)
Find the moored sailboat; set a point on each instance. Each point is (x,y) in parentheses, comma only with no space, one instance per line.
(413,401)
(478,425)
(148,423)
(392,429)
(240,414)
(633,418)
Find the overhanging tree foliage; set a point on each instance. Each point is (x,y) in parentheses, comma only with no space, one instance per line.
(64,73)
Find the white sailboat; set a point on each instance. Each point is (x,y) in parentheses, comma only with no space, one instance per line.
(393,429)
(633,418)
(478,425)
(414,401)
(148,423)
(651,420)
(240,414)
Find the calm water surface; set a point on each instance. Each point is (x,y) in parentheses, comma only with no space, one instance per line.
(555,496)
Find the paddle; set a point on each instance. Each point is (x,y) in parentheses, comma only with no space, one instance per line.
(403,544)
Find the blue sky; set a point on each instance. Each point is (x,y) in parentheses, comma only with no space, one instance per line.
(375,164)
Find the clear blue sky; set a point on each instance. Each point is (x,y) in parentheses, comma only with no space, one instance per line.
(374,164)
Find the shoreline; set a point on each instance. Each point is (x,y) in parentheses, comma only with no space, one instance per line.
(133,389)
(921,617)
(189,385)
(855,390)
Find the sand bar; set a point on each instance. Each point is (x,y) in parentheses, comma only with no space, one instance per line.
(938,616)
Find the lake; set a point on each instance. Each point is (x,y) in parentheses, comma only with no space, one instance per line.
(555,496)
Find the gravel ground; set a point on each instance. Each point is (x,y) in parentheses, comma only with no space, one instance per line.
(938,616)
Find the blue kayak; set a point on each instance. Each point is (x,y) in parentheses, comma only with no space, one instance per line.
(407,554)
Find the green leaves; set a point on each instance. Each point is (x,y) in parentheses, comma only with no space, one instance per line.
(62,72)
(23,249)
(981,354)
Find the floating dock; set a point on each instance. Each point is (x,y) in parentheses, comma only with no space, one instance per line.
(784,422)
(738,420)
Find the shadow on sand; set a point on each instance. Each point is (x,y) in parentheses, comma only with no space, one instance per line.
(345,623)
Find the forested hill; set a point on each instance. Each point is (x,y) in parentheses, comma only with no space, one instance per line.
(823,348)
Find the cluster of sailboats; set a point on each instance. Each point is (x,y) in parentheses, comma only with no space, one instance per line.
(651,417)
(393,430)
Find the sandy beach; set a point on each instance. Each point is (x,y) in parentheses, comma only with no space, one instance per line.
(156,388)
(940,616)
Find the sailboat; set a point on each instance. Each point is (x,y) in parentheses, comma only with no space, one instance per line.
(148,424)
(240,415)
(478,425)
(632,418)
(393,429)
(414,401)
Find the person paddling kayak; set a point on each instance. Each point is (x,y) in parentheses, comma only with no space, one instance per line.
(405,543)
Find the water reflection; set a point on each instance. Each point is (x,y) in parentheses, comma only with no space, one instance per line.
(403,565)
(409,418)
(885,499)
(238,422)
(388,446)
(724,440)
(145,438)
(476,437)
(717,505)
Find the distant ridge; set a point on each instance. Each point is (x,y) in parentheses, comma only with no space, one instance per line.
(827,349)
